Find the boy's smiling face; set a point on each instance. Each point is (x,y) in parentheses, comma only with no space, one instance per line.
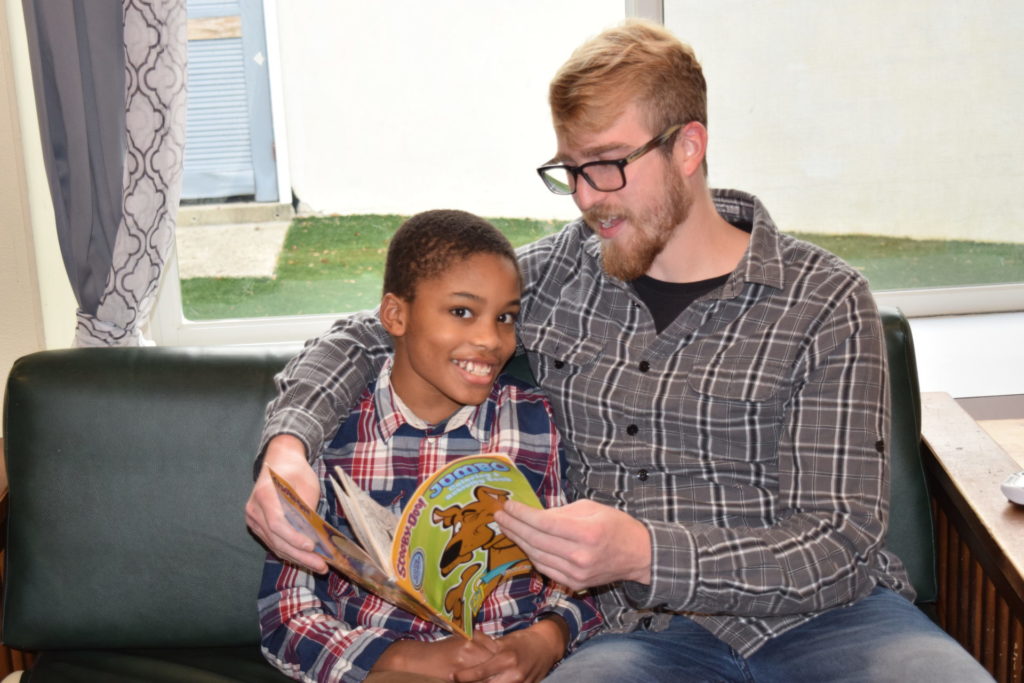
(453,338)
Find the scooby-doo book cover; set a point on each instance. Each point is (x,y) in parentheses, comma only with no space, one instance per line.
(449,550)
(446,552)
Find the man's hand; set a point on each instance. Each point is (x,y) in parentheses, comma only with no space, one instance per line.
(523,656)
(582,544)
(263,513)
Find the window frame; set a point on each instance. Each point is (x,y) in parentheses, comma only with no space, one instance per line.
(168,325)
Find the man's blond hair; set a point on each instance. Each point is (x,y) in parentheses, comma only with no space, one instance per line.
(637,62)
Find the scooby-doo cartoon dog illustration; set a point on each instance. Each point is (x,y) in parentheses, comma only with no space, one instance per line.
(473,527)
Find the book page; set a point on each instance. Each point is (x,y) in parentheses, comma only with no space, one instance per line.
(344,555)
(372,523)
(450,551)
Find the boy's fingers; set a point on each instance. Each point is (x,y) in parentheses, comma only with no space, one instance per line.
(485,641)
(481,672)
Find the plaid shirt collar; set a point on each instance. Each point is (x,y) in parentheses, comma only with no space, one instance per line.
(761,264)
(391,413)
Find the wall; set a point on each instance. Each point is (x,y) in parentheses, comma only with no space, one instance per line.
(22,331)
(849,116)
(376,126)
(54,305)
(867,115)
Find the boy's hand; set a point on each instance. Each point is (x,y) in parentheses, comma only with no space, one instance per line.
(440,658)
(263,513)
(582,544)
(522,656)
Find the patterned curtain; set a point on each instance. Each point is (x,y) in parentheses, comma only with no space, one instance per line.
(115,192)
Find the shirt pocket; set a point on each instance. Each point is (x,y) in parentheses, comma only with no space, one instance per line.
(559,350)
(737,400)
(728,380)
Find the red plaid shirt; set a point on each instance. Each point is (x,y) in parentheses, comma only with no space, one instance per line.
(326,629)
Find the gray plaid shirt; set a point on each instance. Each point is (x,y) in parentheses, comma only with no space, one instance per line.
(749,435)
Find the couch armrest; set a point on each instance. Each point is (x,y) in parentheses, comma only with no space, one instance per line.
(3,503)
(10,660)
(910,534)
(128,472)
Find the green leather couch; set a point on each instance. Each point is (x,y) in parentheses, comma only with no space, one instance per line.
(127,554)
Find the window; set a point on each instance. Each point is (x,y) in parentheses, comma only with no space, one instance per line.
(861,119)
(842,122)
(393,108)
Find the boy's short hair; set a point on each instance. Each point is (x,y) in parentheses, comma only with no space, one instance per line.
(430,242)
(638,61)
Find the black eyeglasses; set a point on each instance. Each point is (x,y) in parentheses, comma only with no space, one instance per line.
(605,175)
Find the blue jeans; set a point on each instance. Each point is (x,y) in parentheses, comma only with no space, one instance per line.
(881,638)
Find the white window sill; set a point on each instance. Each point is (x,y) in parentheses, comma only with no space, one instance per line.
(959,352)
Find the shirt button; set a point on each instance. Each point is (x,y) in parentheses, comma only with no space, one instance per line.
(559,364)
(632,430)
(641,475)
(644,366)
(880,446)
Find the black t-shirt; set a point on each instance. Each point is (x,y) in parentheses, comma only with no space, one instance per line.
(666,300)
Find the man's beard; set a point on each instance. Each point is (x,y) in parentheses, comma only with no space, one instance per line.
(650,230)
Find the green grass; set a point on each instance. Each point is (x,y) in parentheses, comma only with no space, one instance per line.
(902,263)
(335,263)
(328,264)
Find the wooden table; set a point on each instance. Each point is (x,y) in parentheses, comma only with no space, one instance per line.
(1009,434)
(979,533)
(977,464)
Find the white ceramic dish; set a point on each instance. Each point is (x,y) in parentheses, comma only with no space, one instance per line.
(1013,488)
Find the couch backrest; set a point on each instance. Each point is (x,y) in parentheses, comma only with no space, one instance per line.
(911,534)
(129,469)
(128,473)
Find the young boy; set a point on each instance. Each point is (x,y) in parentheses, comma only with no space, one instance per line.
(451,296)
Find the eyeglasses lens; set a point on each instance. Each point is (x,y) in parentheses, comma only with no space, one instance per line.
(559,180)
(606,177)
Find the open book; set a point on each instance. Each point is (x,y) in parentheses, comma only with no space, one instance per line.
(442,556)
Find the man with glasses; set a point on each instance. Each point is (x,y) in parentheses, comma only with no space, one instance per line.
(721,391)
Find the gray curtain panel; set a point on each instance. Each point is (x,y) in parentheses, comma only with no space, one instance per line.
(110,91)
(77,61)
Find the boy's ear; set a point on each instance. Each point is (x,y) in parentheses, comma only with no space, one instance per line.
(393,314)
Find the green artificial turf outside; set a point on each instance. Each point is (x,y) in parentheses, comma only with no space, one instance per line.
(335,263)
